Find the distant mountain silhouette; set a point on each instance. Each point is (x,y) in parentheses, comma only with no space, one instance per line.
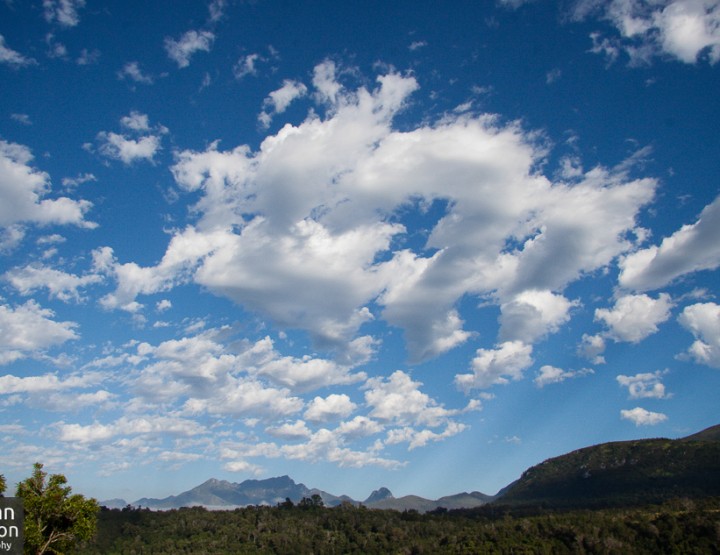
(621,473)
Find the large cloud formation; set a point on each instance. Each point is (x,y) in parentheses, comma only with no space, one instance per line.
(315,229)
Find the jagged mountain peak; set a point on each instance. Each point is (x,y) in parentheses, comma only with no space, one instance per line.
(379,495)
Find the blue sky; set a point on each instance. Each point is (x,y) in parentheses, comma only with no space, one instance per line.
(408,244)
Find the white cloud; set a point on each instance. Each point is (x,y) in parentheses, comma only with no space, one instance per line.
(23,119)
(647,385)
(60,285)
(332,407)
(246,66)
(294,431)
(532,314)
(694,247)
(642,417)
(303,231)
(48,383)
(79,180)
(29,328)
(635,317)
(592,347)
(497,366)
(242,466)
(398,400)
(64,12)
(191,42)
(420,438)
(22,188)
(360,426)
(136,121)
(216,10)
(124,426)
(683,29)
(141,141)
(11,57)
(127,150)
(279,100)
(703,320)
(550,374)
(131,70)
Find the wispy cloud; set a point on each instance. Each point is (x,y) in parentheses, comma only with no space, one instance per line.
(185,47)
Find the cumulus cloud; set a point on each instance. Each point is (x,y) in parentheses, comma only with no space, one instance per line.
(28,329)
(694,247)
(47,383)
(183,49)
(703,321)
(332,407)
(60,285)
(308,229)
(635,317)
(63,12)
(647,385)
(592,348)
(11,57)
(497,366)
(398,399)
(532,314)
(140,141)
(687,30)
(125,426)
(550,374)
(642,417)
(22,188)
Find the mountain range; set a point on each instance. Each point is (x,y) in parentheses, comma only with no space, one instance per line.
(608,474)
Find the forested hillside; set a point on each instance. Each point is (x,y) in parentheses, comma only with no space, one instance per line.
(681,526)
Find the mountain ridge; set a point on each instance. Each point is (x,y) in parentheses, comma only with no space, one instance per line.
(611,473)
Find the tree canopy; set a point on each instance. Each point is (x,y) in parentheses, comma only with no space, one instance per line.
(55,519)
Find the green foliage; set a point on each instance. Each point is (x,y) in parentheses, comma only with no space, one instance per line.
(55,520)
(3,485)
(623,473)
(677,527)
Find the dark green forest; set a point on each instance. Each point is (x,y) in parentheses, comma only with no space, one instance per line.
(680,526)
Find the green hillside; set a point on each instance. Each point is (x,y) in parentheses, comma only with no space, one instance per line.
(623,473)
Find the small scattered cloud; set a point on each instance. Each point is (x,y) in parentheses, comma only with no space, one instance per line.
(139,142)
(703,321)
(63,12)
(279,100)
(497,366)
(183,49)
(417,45)
(553,75)
(78,180)
(246,65)
(332,407)
(132,71)
(550,374)
(642,417)
(88,57)
(647,385)
(11,57)
(23,119)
